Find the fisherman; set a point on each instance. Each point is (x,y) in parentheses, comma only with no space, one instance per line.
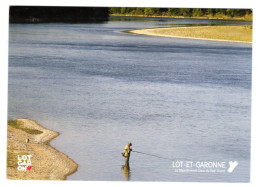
(127,152)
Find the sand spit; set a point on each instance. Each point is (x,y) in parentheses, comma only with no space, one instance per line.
(47,163)
(242,34)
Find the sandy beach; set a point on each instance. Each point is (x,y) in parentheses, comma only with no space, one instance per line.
(27,137)
(215,33)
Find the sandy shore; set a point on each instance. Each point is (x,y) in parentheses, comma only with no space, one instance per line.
(47,163)
(215,33)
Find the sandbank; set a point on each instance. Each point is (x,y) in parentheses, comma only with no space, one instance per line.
(33,139)
(241,33)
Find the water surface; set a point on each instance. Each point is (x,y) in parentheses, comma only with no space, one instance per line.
(101,88)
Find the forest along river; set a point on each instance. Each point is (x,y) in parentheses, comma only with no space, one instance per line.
(184,99)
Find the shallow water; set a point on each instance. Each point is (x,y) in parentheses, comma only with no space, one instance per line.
(101,88)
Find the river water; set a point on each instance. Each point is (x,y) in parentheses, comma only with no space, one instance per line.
(187,100)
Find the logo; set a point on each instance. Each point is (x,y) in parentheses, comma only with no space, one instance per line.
(232,166)
(204,166)
(24,162)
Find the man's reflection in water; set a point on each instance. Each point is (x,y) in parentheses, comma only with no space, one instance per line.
(126,170)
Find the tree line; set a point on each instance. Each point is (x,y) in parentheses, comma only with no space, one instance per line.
(39,14)
(184,12)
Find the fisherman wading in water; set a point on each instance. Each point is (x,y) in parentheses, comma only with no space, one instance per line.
(127,152)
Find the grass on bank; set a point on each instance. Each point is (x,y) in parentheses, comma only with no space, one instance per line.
(18,125)
(242,33)
(12,158)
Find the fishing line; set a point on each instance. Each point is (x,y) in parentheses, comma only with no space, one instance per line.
(153,155)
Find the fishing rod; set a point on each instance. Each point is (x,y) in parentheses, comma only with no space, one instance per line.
(153,155)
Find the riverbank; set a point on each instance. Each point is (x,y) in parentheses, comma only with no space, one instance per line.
(219,17)
(27,137)
(241,33)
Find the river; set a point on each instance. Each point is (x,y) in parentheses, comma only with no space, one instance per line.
(183,99)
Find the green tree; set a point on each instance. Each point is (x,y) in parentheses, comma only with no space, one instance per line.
(186,12)
(210,11)
(115,10)
(151,11)
(139,11)
(197,12)
(230,12)
(173,12)
(123,10)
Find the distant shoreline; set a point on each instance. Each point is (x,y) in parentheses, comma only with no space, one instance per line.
(27,137)
(242,34)
(183,17)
